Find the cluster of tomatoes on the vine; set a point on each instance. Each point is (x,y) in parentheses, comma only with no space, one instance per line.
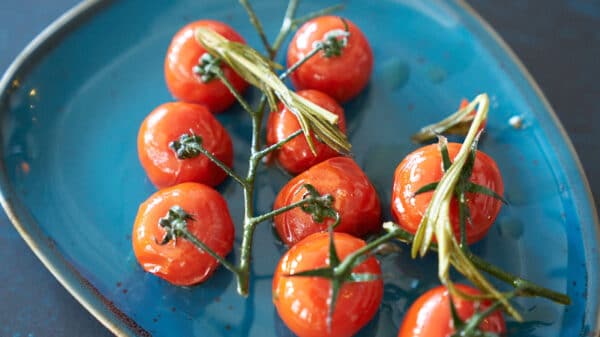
(183,149)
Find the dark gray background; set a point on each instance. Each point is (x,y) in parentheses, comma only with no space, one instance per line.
(557,40)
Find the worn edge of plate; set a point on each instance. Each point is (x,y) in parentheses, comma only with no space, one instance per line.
(579,174)
(100,307)
(67,275)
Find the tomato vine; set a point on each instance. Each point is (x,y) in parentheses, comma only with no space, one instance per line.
(259,71)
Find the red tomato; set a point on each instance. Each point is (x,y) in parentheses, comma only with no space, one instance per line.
(303,302)
(424,166)
(341,77)
(430,316)
(354,196)
(179,261)
(184,54)
(166,124)
(295,156)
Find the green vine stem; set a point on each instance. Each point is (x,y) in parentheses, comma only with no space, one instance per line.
(470,328)
(262,153)
(258,25)
(527,287)
(257,70)
(224,167)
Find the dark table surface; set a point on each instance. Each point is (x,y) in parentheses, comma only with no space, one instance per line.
(558,41)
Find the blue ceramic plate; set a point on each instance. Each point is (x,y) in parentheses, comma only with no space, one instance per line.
(71,181)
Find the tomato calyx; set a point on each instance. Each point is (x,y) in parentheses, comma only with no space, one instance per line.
(334,41)
(319,206)
(174,224)
(187,146)
(339,272)
(208,67)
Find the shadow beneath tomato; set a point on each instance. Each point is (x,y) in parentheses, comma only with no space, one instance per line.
(174,302)
(525,329)
(405,280)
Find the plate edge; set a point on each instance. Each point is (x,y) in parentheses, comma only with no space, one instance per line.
(92,300)
(594,217)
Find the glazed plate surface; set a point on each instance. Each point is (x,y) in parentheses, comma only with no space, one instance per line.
(71,181)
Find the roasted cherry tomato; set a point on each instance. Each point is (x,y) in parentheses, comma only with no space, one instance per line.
(295,156)
(430,316)
(340,76)
(184,55)
(303,302)
(179,261)
(170,159)
(354,197)
(424,166)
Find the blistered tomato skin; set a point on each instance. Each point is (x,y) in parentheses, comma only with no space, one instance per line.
(430,316)
(183,55)
(424,166)
(179,261)
(295,156)
(302,302)
(341,77)
(355,199)
(166,124)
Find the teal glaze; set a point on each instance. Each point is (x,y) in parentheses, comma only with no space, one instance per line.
(77,134)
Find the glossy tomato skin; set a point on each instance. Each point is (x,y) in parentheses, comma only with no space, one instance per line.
(179,261)
(302,302)
(355,199)
(430,316)
(183,54)
(341,77)
(167,123)
(424,166)
(295,156)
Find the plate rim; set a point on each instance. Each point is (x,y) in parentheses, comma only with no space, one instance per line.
(42,246)
(91,299)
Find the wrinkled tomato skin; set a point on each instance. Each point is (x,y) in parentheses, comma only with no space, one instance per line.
(183,54)
(302,302)
(179,261)
(341,77)
(165,124)
(295,156)
(355,199)
(429,315)
(424,166)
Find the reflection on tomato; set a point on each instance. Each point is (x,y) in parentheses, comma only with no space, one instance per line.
(295,156)
(179,261)
(166,124)
(184,54)
(430,316)
(354,196)
(303,302)
(424,166)
(341,77)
